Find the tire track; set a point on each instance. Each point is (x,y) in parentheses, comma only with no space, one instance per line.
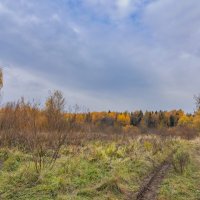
(150,187)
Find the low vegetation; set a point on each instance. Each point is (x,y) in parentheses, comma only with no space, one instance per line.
(183,181)
(94,170)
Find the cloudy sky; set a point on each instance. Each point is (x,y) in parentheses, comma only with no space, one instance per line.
(103,54)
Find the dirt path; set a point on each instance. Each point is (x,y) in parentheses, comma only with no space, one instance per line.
(151,186)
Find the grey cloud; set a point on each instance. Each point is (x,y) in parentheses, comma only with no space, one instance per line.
(149,61)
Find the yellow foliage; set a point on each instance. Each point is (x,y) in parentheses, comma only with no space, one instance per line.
(80,118)
(112,115)
(123,119)
(185,120)
(96,116)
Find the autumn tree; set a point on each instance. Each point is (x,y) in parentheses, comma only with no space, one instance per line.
(136,118)
(123,119)
(149,119)
(54,110)
(185,120)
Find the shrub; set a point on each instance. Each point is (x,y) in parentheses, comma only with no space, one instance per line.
(180,161)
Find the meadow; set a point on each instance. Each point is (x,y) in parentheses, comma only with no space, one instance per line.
(103,170)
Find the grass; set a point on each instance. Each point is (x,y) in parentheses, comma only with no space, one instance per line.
(186,185)
(95,170)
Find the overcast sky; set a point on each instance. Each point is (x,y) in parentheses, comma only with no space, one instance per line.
(103,54)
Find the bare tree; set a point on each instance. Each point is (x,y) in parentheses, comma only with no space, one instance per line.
(1,78)
(40,131)
(197,101)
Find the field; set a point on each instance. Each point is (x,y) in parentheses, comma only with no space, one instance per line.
(100,169)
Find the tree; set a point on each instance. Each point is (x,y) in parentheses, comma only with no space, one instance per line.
(1,78)
(56,133)
(123,119)
(162,118)
(55,105)
(197,101)
(185,120)
(150,119)
(136,118)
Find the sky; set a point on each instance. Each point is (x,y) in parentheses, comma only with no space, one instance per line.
(102,54)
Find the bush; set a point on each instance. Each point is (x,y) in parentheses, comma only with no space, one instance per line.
(180,161)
